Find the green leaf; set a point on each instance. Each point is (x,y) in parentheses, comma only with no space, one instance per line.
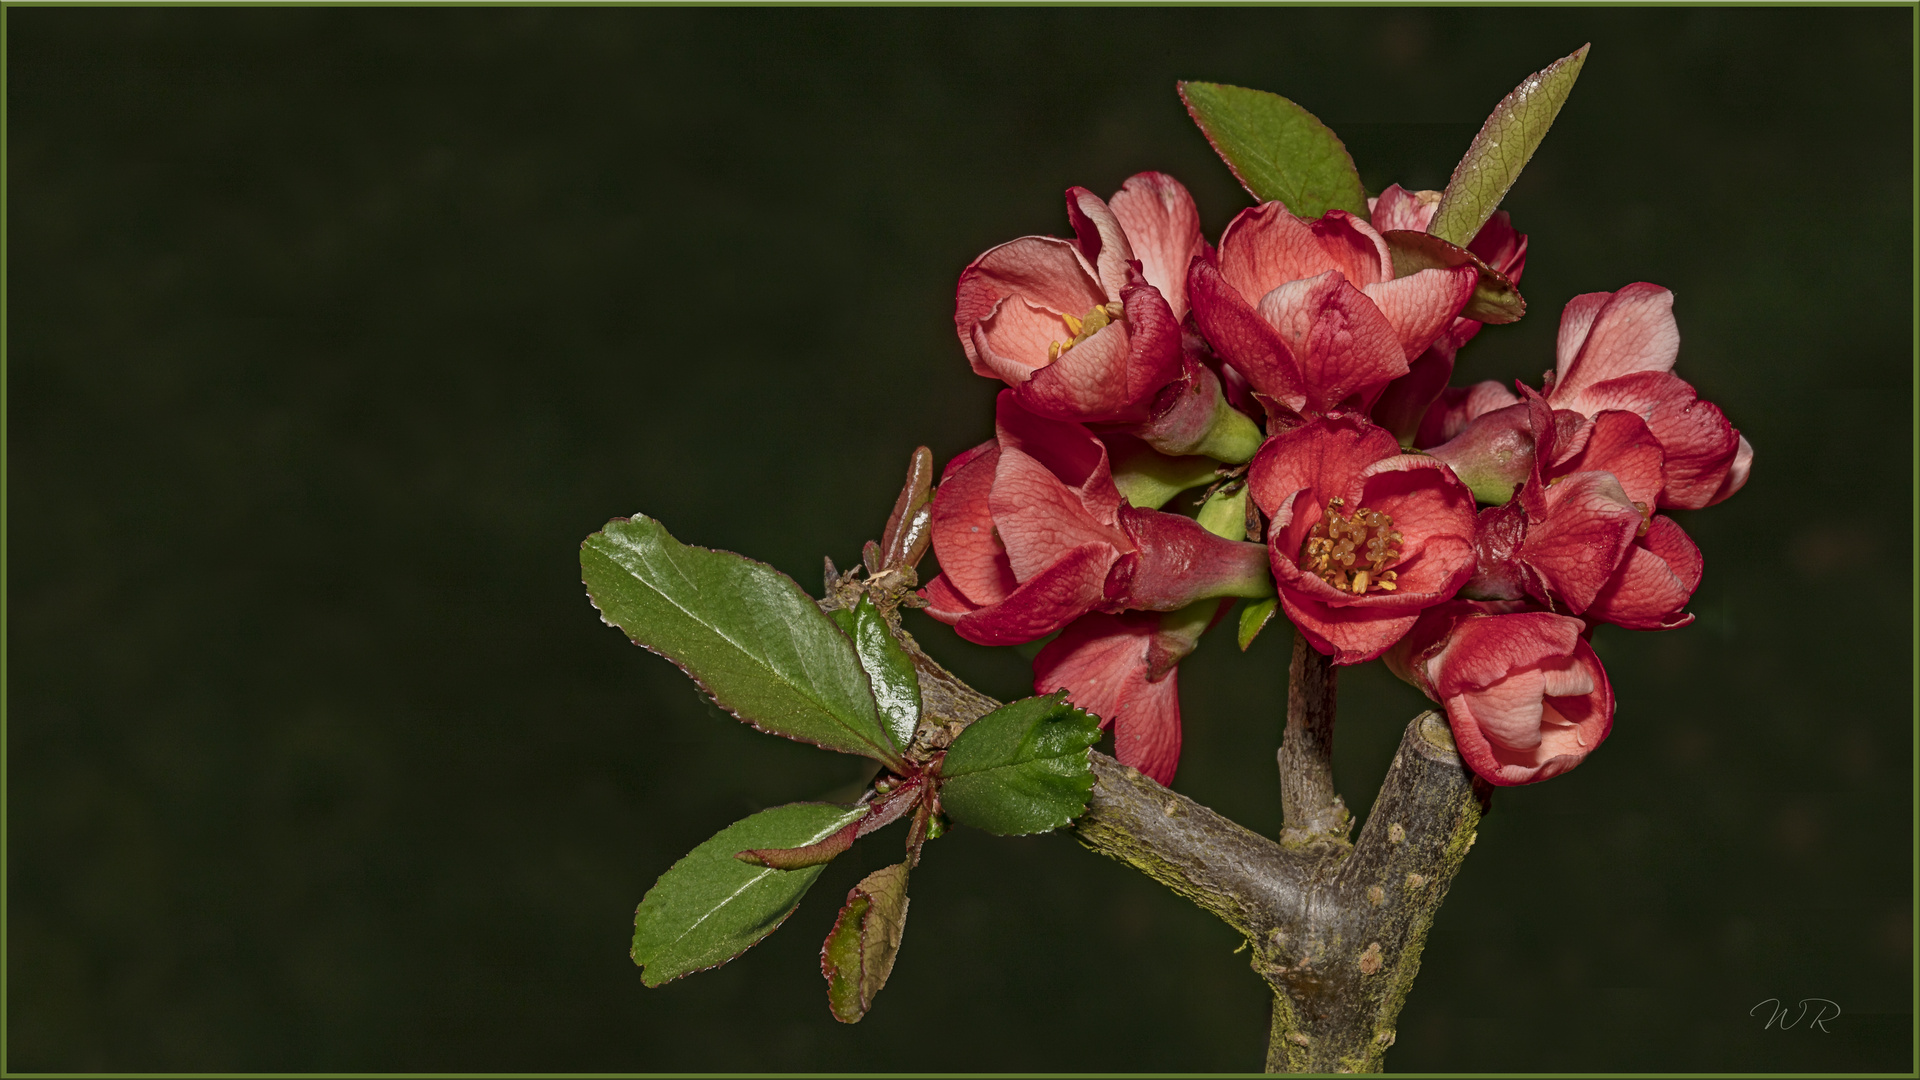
(1495,298)
(1021,768)
(860,949)
(1276,149)
(896,685)
(1254,618)
(710,907)
(1504,146)
(750,636)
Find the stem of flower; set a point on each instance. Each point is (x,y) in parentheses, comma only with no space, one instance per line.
(1314,816)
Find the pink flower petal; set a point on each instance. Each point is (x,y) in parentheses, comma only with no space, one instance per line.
(972,559)
(1147,733)
(1343,346)
(1327,456)
(1419,306)
(1539,704)
(1459,406)
(1102,241)
(1156,358)
(1094,660)
(1046,271)
(1398,208)
(1163,227)
(1434,514)
(1576,319)
(1508,710)
(1668,540)
(944,602)
(1479,651)
(1242,337)
(1700,447)
(1500,246)
(1039,518)
(1060,594)
(1087,383)
(1736,473)
(1632,332)
(1353,247)
(1265,247)
(1068,450)
(1012,341)
(1588,527)
(1654,582)
(1101,661)
(1351,635)
(1406,400)
(1621,444)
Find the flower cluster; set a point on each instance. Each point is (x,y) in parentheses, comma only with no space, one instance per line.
(1470,536)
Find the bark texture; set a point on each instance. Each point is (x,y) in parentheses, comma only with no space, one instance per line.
(1335,927)
(1315,817)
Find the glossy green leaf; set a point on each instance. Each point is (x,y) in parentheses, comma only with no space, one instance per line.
(1504,146)
(1254,618)
(1021,768)
(710,907)
(859,951)
(896,685)
(750,636)
(1495,298)
(1276,149)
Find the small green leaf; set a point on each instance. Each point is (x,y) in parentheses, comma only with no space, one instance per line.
(896,685)
(744,631)
(1254,618)
(860,949)
(1021,768)
(1276,149)
(1504,146)
(1495,298)
(710,907)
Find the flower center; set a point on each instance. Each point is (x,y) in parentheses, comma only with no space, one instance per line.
(1085,327)
(1352,553)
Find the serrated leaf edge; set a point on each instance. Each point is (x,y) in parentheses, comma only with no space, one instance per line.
(897,761)
(1207,131)
(756,879)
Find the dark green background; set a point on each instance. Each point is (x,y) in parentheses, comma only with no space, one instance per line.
(334,332)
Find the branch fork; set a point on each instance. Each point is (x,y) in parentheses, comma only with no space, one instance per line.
(1335,926)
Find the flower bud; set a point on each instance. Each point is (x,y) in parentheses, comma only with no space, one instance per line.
(1493,455)
(1192,416)
(1525,695)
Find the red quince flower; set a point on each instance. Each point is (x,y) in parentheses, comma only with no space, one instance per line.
(1311,313)
(1363,537)
(1406,400)
(1616,351)
(1525,695)
(1581,535)
(1124,669)
(1087,329)
(1031,534)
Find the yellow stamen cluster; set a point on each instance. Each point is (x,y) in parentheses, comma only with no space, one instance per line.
(1352,553)
(1085,327)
